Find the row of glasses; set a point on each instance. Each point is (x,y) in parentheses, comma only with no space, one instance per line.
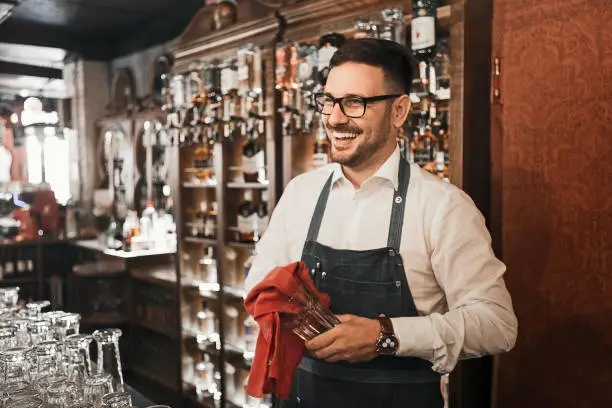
(45,360)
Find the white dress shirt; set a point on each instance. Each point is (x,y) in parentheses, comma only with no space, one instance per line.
(456,281)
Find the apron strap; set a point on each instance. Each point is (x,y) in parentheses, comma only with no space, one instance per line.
(317,217)
(399,206)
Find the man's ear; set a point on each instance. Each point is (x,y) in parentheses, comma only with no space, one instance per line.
(400,110)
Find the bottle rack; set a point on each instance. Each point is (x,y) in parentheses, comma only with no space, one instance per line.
(216,307)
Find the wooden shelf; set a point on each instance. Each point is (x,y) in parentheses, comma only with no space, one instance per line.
(197,240)
(26,280)
(198,185)
(236,244)
(247,185)
(162,275)
(235,292)
(158,328)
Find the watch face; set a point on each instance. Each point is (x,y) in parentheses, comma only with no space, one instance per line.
(387,344)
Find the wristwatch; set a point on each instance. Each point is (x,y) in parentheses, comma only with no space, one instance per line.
(387,343)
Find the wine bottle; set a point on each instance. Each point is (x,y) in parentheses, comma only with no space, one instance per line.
(247,218)
(328,45)
(253,160)
(423,36)
(210,226)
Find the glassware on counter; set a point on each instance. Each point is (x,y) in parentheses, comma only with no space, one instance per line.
(109,360)
(117,400)
(8,338)
(96,387)
(204,380)
(9,297)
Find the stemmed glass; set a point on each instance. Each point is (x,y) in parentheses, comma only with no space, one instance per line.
(34,309)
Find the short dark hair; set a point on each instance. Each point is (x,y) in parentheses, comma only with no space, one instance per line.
(394,59)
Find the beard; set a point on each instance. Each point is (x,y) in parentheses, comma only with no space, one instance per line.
(366,148)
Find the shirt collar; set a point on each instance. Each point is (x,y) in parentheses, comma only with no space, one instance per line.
(388,171)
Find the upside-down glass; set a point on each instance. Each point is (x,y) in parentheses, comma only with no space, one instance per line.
(8,338)
(14,365)
(313,319)
(77,357)
(117,400)
(24,403)
(22,337)
(9,296)
(61,394)
(97,386)
(34,309)
(39,331)
(109,359)
(44,359)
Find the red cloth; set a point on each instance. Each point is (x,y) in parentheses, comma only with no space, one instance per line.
(279,350)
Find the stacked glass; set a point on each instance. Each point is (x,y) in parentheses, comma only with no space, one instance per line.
(45,360)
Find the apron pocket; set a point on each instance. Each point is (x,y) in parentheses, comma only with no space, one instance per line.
(366,299)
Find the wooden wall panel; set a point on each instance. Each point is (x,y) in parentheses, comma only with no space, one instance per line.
(556,217)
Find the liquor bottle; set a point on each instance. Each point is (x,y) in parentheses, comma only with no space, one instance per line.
(262,215)
(328,45)
(20,263)
(210,226)
(247,218)
(203,156)
(321,147)
(393,27)
(9,267)
(256,72)
(253,160)
(200,220)
(423,35)
(208,266)
(282,67)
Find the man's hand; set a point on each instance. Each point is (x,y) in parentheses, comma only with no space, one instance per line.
(354,340)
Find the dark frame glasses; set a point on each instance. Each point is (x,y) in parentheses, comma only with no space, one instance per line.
(354,104)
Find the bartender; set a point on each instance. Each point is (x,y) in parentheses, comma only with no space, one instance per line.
(404,256)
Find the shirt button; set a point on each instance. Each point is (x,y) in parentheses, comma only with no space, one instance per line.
(398,200)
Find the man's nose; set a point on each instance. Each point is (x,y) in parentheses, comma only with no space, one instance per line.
(337,116)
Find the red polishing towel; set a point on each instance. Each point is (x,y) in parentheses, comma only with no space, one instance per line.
(278,351)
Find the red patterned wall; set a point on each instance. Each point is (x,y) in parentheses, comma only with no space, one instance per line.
(556,172)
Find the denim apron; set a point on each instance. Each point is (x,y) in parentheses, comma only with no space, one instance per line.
(364,283)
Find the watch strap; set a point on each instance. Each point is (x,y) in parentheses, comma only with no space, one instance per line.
(386,326)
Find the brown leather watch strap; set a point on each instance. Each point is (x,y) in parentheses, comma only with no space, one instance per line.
(386,326)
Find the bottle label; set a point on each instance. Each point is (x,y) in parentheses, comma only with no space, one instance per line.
(243,72)
(9,268)
(423,32)
(320,159)
(209,228)
(433,80)
(229,80)
(246,225)
(440,160)
(21,266)
(253,164)
(30,265)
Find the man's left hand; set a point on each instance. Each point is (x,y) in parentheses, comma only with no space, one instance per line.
(354,340)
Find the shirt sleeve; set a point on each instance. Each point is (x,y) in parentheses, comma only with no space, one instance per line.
(272,249)
(480,319)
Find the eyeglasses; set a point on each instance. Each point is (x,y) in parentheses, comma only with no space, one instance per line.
(352,106)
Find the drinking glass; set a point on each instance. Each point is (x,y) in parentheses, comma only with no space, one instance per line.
(8,337)
(109,360)
(66,325)
(39,331)
(83,405)
(77,357)
(117,400)
(61,394)
(24,403)
(34,309)
(9,296)
(45,359)
(15,365)
(313,318)
(96,387)
(22,336)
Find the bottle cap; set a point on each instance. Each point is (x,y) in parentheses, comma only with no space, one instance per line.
(248,195)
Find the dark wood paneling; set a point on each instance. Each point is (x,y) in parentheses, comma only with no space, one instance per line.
(555,123)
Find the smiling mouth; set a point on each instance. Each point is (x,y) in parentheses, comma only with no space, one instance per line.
(344,135)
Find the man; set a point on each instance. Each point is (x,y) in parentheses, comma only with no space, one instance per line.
(405,257)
